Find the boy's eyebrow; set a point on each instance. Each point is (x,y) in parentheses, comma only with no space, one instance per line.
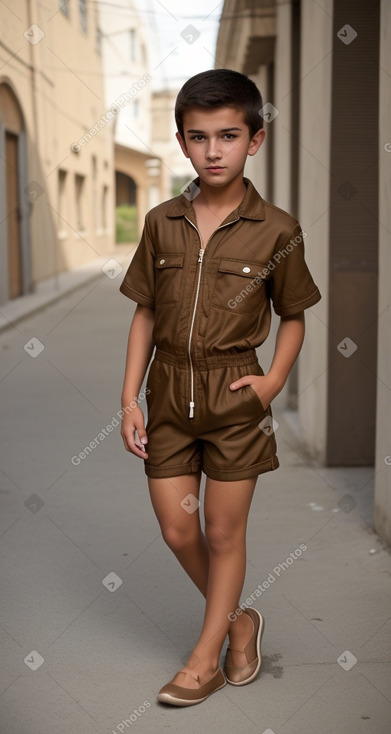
(223,130)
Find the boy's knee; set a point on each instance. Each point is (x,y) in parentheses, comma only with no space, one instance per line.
(221,537)
(179,537)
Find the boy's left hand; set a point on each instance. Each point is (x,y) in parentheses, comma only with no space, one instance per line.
(264,385)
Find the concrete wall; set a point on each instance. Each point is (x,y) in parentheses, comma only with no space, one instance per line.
(282,100)
(256,168)
(383,424)
(314,179)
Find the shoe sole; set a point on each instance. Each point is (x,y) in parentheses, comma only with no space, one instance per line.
(166,698)
(261,629)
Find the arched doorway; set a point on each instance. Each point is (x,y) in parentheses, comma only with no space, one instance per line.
(126,229)
(14,250)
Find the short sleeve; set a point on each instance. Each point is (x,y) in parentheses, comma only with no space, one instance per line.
(292,288)
(139,281)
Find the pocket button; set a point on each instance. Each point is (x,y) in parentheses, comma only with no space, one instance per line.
(162,261)
(246,269)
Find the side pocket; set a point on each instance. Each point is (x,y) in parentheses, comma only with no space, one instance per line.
(256,399)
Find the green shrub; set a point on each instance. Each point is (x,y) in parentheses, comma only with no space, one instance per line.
(126,223)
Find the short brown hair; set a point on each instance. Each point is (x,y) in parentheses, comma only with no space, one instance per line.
(221,88)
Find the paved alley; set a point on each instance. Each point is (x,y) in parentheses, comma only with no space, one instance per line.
(96,613)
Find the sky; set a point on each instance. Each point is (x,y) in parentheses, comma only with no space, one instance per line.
(183,38)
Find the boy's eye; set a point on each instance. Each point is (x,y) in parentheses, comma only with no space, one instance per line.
(225,136)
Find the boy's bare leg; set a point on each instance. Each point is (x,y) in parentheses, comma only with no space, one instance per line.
(217,564)
(181,527)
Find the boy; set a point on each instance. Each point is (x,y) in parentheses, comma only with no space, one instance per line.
(208,264)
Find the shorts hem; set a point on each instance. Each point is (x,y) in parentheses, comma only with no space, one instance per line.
(233,475)
(164,472)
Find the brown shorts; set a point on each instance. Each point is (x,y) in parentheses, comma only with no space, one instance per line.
(231,435)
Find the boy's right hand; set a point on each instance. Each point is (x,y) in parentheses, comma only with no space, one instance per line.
(131,423)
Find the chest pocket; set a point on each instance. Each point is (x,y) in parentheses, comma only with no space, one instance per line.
(239,286)
(168,277)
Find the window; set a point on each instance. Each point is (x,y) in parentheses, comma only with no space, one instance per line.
(98,41)
(105,196)
(64,7)
(79,194)
(132,44)
(95,191)
(83,15)
(62,203)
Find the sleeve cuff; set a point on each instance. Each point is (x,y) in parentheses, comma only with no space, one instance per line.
(299,306)
(136,296)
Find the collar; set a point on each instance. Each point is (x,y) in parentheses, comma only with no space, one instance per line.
(251,206)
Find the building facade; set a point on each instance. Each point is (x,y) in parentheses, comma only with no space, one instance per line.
(128,91)
(323,70)
(56,155)
(176,168)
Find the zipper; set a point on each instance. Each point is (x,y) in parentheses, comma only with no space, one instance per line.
(200,261)
(191,405)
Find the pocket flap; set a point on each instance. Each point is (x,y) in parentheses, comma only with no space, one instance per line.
(245,268)
(169,260)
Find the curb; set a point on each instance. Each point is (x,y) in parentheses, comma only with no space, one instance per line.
(21,308)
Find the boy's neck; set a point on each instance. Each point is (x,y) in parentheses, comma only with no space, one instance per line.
(227,196)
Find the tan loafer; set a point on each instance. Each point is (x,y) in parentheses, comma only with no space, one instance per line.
(240,675)
(181,696)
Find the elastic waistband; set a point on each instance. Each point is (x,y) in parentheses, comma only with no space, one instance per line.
(232,359)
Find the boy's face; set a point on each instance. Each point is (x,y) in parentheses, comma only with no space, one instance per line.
(217,141)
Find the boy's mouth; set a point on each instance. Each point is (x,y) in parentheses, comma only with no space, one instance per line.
(215,168)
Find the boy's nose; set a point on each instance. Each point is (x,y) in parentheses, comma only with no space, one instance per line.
(213,151)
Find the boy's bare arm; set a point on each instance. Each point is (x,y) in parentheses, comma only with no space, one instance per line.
(139,352)
(289,340)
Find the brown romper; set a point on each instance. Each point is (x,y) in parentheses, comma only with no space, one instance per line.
(212,309)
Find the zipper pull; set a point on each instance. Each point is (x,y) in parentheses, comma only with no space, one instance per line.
(191,411)
(200,255)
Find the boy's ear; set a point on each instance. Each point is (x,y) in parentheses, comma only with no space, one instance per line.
(256,141)
(182,144)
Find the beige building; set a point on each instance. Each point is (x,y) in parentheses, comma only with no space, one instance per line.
(327,159)
(176,168)
(56,156)
(128,89)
